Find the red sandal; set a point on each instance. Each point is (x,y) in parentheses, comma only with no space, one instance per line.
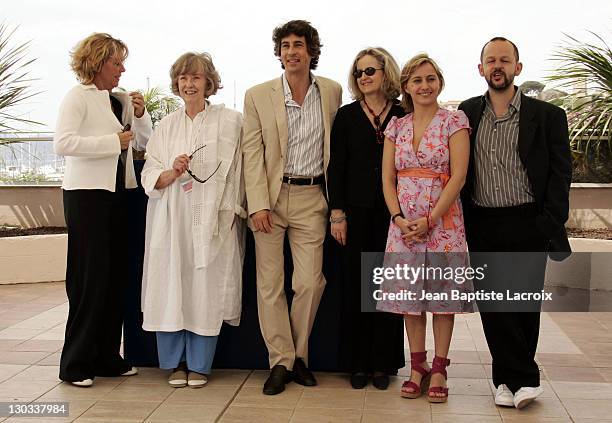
(438,366)
(416,361)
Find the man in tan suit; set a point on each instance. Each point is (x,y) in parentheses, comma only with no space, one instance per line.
(287,122)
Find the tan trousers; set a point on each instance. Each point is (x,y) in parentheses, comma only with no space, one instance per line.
(301,211)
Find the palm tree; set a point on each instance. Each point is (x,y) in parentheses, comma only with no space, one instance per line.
(587,68)
(14,84)
(159,104)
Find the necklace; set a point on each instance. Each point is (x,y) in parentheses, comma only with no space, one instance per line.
(380,136)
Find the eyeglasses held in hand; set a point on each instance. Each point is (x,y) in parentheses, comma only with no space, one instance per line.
(368,71)
(196,165)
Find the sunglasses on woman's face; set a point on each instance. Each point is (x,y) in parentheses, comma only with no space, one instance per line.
(368,71)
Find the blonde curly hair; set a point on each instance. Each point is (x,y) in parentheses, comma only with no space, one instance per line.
(90,54)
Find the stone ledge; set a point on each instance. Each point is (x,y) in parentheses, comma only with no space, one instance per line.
(31,259)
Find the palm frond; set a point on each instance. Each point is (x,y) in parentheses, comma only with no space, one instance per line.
(581,64)
(159,104)
(587,67)
(15,82)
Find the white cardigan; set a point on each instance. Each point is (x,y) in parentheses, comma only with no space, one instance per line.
(86,134)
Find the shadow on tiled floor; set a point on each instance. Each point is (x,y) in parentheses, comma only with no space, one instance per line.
(575,355)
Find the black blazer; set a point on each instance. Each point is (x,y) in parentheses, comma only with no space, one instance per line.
(354,174)
(545,153)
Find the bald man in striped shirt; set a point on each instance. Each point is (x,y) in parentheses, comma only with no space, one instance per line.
(516,199)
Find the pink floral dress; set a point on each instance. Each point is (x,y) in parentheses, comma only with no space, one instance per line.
(445,244)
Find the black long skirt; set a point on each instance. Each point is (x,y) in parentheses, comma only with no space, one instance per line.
(369,341)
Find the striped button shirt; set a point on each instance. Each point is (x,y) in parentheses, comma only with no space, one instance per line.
(501,178)
(306,132)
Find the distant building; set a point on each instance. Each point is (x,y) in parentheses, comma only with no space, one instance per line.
(579,87)
(450,105)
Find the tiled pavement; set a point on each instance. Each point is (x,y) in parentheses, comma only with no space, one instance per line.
(575,356)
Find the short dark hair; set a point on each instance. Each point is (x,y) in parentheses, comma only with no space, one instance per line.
(301,29)
(516,53)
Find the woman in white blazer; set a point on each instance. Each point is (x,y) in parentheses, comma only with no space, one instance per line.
(96,130)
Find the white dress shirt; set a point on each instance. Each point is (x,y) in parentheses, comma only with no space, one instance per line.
(306,132)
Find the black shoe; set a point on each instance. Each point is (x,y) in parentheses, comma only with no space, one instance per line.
(359,380)
(276,381)
(302,375)
(380,380)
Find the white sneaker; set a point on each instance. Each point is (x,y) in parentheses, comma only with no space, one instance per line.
(133,371)
(85,383)
(526,395)
(504,396)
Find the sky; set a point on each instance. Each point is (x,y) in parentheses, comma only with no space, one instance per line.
(238,35)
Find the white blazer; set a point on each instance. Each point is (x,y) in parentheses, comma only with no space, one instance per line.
(86,134)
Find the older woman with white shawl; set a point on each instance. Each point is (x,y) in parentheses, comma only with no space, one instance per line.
(194,246)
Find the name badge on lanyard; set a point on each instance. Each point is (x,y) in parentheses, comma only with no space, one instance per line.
(187,186)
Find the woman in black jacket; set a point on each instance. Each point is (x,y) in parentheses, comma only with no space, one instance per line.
(371,343)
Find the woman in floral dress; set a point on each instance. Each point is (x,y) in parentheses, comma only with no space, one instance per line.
(425,161)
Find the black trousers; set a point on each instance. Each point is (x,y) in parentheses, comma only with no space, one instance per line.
(369,341)
(512,337)
(96,276)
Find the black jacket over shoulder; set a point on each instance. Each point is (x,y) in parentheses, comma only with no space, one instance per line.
(544,151)
(354,174)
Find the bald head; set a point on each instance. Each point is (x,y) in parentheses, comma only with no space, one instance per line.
(499,41)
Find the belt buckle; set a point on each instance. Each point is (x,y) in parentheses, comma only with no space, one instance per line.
(289,178)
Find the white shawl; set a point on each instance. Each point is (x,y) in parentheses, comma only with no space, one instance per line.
(216,202)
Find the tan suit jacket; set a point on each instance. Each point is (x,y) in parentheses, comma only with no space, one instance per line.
(264,144)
